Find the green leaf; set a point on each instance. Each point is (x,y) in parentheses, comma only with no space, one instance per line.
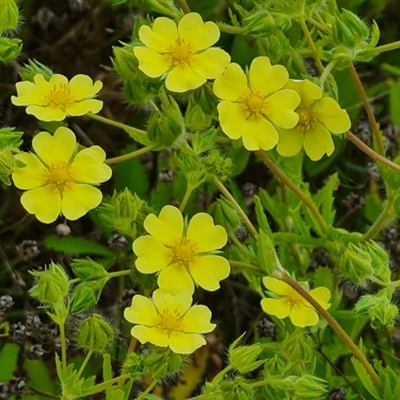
(299,239)
(137,136)
(8,360)
(365,379)
(261,218)
(10,138)
(75,245)
(395,103)
(39,376)
(324,199)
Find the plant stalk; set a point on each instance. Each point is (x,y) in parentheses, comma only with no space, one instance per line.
(130,155)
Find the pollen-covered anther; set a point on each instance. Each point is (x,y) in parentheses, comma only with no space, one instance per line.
(60,95)
(180,52)
(306,119)
(255,104)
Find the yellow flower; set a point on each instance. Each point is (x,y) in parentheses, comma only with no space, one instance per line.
(57,179)
(181,51)
(180,254)
(318,116)
(58,98)
(252,105)
(290,304)
(167,320)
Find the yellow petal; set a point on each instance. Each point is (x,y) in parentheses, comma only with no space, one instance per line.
(163,34)
(232,84)
(152,63)
(78,199)
(290,142)
(28,93)
(317,142)
(83,107)
(322,295)
(205,234)
(265,78)
(88,166)
(258,133)
(303,316)
(281,106)
(331,115)
(47,113)
(308,91)
(44,202)
(33,175)
(167,228)
(175,278)
(183,343)
(232,117)
(45,86)
(197,320)
(193,30)
(177,303)
(210,63)
(57,148)
(82,87)
(153,256)
(276,286)
(278,307)
(182,78)
(142,311)
(208,271)
(156,336)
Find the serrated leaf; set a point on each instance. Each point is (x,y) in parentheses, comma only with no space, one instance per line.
(365,379)
(137,135)
(261,218)
(299,239)
(76,245)
(324,199)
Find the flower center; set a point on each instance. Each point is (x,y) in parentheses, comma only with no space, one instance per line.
(255,104)
(306,118)
(180,52)
(184,252)
(293,297)
(59,174)
(170,321)
(60,95)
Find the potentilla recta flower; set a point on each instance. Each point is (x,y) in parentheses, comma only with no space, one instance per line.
(254,105)
(318,118)
(288,303)
(168,320)
(58,179)
(58,98)
(182,255)
(181,52)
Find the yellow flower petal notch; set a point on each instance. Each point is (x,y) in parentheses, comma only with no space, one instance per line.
(253,106)
(168,320)
(56,99)
(182,52)
(288,303)
(57,179)
(318,118)
(183,256)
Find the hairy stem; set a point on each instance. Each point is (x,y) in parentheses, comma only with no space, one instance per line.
(381,49)
(235,30)
(246,266)
(311,43)
(336,327)
(63,345)
(368,109)
(130,155)
(372,153)
(84,363)
(186,198)
(148,390)
(184,6)
(296,190)
(250,227)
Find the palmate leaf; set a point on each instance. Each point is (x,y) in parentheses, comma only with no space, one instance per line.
(324,199)
(10,138)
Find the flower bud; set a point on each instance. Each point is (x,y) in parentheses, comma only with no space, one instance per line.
(224,214)
(358,28)
(33,68)
(52,285)
(134,364)
(88,269)
(379,262)
(8,14)
(9,49)
(237,389)
(244,358)
(310,387)
(95,334)
(296,347)
(342,35)
(125,62)
(259,23)
(356,264)
(195,118)
(163,362)
(166,125)
(86,295)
